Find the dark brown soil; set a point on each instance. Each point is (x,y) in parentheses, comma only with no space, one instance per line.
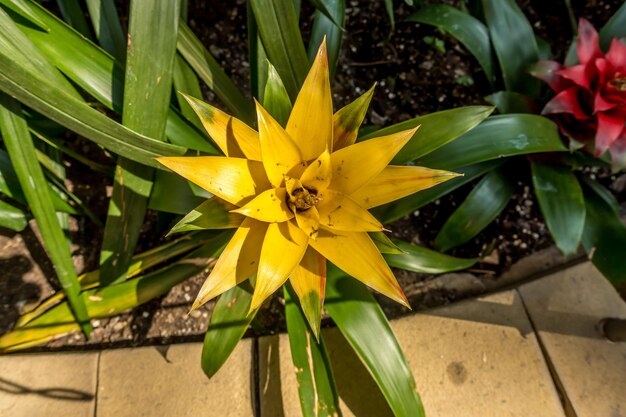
(418,71)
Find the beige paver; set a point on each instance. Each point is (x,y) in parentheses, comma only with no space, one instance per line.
(44,385)
(144,382)
(475,358)
(565,309)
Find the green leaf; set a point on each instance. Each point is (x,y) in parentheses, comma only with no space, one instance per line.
(316,384)
(73,15)
(213,213)
(30,175)
(515,45)
(400,208)
(384,244)
(327,8)
(328,24)
(468,30)
(256,56)
(275,99)
(171,193)
(614,28)
(90,67)
(511,102)
(562,204)
(480,208)
(11,217)
(147,89)
(436,129)
(186,82)
(604,236)
(114,299)
(213,75)
(390,13)
(106,24)
(497,137)
(363,323)
(278,26)
(423,260)
(23,8)
(229,322)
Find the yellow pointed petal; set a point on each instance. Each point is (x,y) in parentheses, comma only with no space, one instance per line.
(309,282)
(279,151)
(357,255)
(311,121)
(238,262)
(309,222)
(318,174)
(283,248)
(355,165)
(234,137)
(269,206)
(347,120)
(395,182)
(337,211)
(235,180)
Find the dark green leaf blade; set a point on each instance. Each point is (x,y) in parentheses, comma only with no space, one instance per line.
(470,31)
(73,15)
(278,26)
(515,44)
(497,137)
(316,384)
(106,24)
(511,102)
(480,208)
(436,129)
(604,236)
(614,28)
(22,7)
(363,323)
(229,322)
(562,204)
(424,260)
(213,75)
(328,24)
(147,89)
(30,175)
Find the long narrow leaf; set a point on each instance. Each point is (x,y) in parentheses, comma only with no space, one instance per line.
(363,323)
(213,75)
(186,82)
(436,129)
(515,45)
(256,56)
(73,15)
(23,8)
(497,137)
(614,28)
(11,217)
(328,22)
(468,30)
(480,208)
(424,260)
(114,299)
(604,236)
(229,322)
(147,89)
(562,204)
(278,26)
(90,67)
(106,24)
(22,152)
(316,384)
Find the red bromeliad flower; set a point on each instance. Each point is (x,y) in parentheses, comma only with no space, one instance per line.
(591,96)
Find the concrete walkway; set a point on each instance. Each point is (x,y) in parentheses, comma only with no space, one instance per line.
(530,351)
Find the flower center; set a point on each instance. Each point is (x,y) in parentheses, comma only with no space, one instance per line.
(619,83)
(302,199)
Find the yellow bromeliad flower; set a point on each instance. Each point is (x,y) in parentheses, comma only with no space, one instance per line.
(299,195)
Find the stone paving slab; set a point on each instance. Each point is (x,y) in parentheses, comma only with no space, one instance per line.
(565,309)
(38,385)
(475,358)
(144,382)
